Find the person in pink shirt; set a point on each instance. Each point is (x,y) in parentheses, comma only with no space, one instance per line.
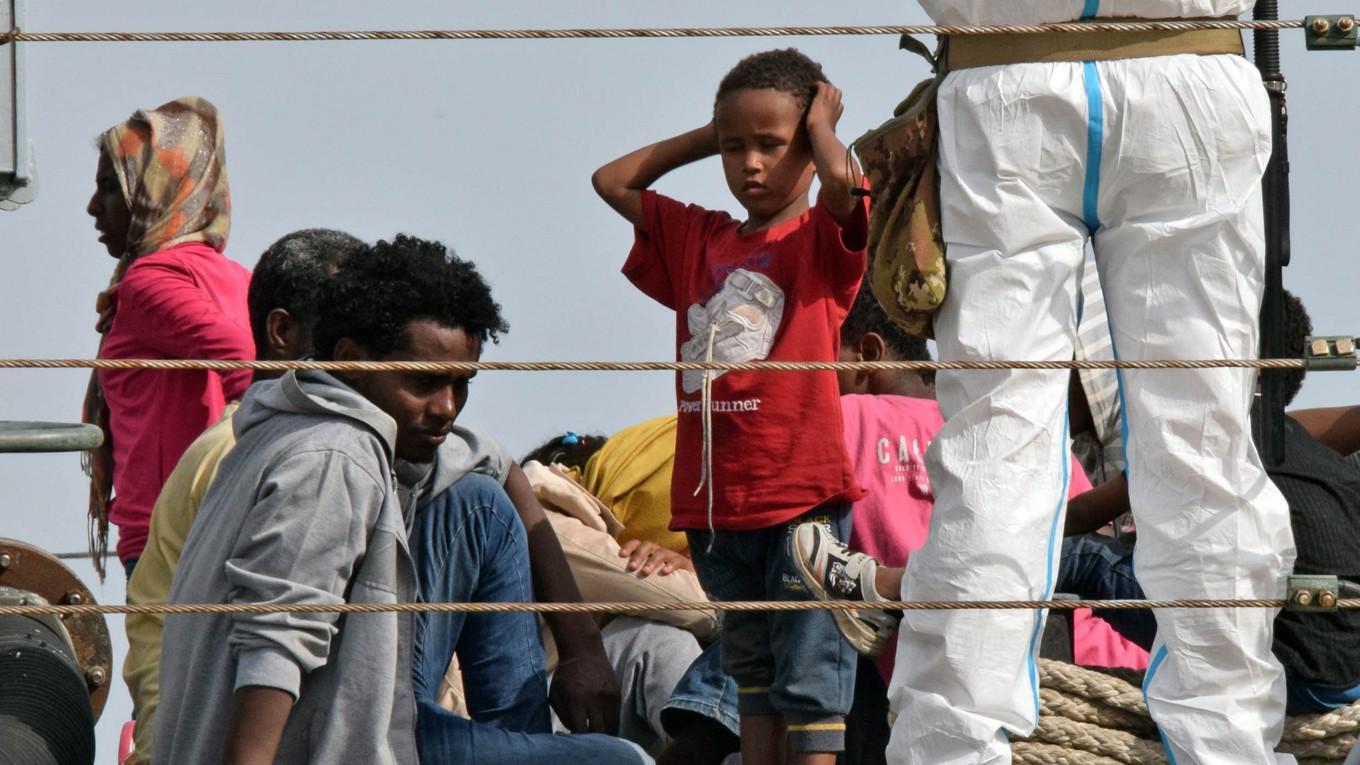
(890,417)
(162,208)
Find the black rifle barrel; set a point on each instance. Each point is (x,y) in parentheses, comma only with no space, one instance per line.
(1269,425)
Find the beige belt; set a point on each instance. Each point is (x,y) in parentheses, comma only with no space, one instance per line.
(969,51)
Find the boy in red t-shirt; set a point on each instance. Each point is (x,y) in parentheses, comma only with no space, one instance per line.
(776,287)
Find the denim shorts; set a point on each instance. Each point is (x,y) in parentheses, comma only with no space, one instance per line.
(789,663)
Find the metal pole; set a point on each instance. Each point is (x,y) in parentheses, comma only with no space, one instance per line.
(1269,419)
(18,182)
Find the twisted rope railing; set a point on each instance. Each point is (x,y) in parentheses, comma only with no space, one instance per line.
(1167,25)
(631,607)
(641,366)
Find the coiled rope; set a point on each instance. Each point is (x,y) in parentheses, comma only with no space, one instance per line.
(1089,717)
(632,607)
(643,366)
(1166,25)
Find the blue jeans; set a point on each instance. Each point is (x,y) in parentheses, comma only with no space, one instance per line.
(1098,567)
(705,690)
(470,546)
(794,664)
(1095,566)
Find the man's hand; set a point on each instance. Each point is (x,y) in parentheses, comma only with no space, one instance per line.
(647,558)
(585,694)
(826,108)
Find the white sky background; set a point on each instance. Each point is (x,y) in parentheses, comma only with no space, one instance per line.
(487,146)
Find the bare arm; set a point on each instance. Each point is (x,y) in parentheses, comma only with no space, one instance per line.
(835,169)
(1338,428)
(585,691)
(621,182)
(258,715)
(1096,508)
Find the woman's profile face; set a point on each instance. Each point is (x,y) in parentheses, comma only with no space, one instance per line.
(109,208)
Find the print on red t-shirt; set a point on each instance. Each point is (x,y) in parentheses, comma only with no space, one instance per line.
(779,294)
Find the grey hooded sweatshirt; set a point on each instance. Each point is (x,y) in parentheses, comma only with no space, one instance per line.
(303,509)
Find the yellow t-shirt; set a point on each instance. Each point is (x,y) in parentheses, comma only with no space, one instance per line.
(631,475)
(171,519)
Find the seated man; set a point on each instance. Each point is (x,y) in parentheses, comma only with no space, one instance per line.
(472,534)
(1320,651)
(649,649)
(283,299)
(697,720)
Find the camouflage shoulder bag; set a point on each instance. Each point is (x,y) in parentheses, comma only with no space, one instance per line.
(907,271)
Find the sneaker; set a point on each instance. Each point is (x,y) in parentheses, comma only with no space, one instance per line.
(833,572)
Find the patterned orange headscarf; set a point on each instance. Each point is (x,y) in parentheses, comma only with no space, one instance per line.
(172,168)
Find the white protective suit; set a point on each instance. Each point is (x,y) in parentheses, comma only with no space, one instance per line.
(1158,162)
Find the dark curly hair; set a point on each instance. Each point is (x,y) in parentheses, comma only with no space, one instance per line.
(568,449)
(290,273)
(787,70)
(374,296)
(866,316)
(1297,327)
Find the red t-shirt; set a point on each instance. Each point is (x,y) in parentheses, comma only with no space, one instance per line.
(185,302)
(780,295)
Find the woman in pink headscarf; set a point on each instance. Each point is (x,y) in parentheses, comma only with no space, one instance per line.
(162,207)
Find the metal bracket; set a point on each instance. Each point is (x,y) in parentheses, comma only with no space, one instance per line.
(1313,593)
(1330,354)
(1330,32)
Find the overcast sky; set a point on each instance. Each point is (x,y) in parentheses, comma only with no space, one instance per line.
(487,146)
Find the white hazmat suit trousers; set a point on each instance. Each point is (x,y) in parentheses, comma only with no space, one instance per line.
(1158,162)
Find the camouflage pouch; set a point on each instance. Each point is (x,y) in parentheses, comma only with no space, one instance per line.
(907,269)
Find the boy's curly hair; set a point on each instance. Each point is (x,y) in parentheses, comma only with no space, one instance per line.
(375,295)
(787,70)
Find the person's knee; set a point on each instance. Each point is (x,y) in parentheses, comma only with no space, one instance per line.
(480,490)
(480,500)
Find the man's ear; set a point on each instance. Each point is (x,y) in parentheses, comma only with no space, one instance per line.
(279,329)
(348,350)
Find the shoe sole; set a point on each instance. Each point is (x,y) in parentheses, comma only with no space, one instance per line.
(860,637)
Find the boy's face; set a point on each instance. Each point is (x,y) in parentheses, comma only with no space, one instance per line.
(765,151)
(424,404)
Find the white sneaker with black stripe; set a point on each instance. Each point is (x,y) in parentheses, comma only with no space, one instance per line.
(833,572)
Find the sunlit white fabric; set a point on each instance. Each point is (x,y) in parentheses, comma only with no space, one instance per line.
(1158,162)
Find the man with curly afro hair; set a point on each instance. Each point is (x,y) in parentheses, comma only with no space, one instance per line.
(476,532)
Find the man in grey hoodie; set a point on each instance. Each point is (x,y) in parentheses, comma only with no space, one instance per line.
(306,509)
(474,527)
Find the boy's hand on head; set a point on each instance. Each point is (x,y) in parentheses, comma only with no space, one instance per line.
(647,558)
(826,108)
